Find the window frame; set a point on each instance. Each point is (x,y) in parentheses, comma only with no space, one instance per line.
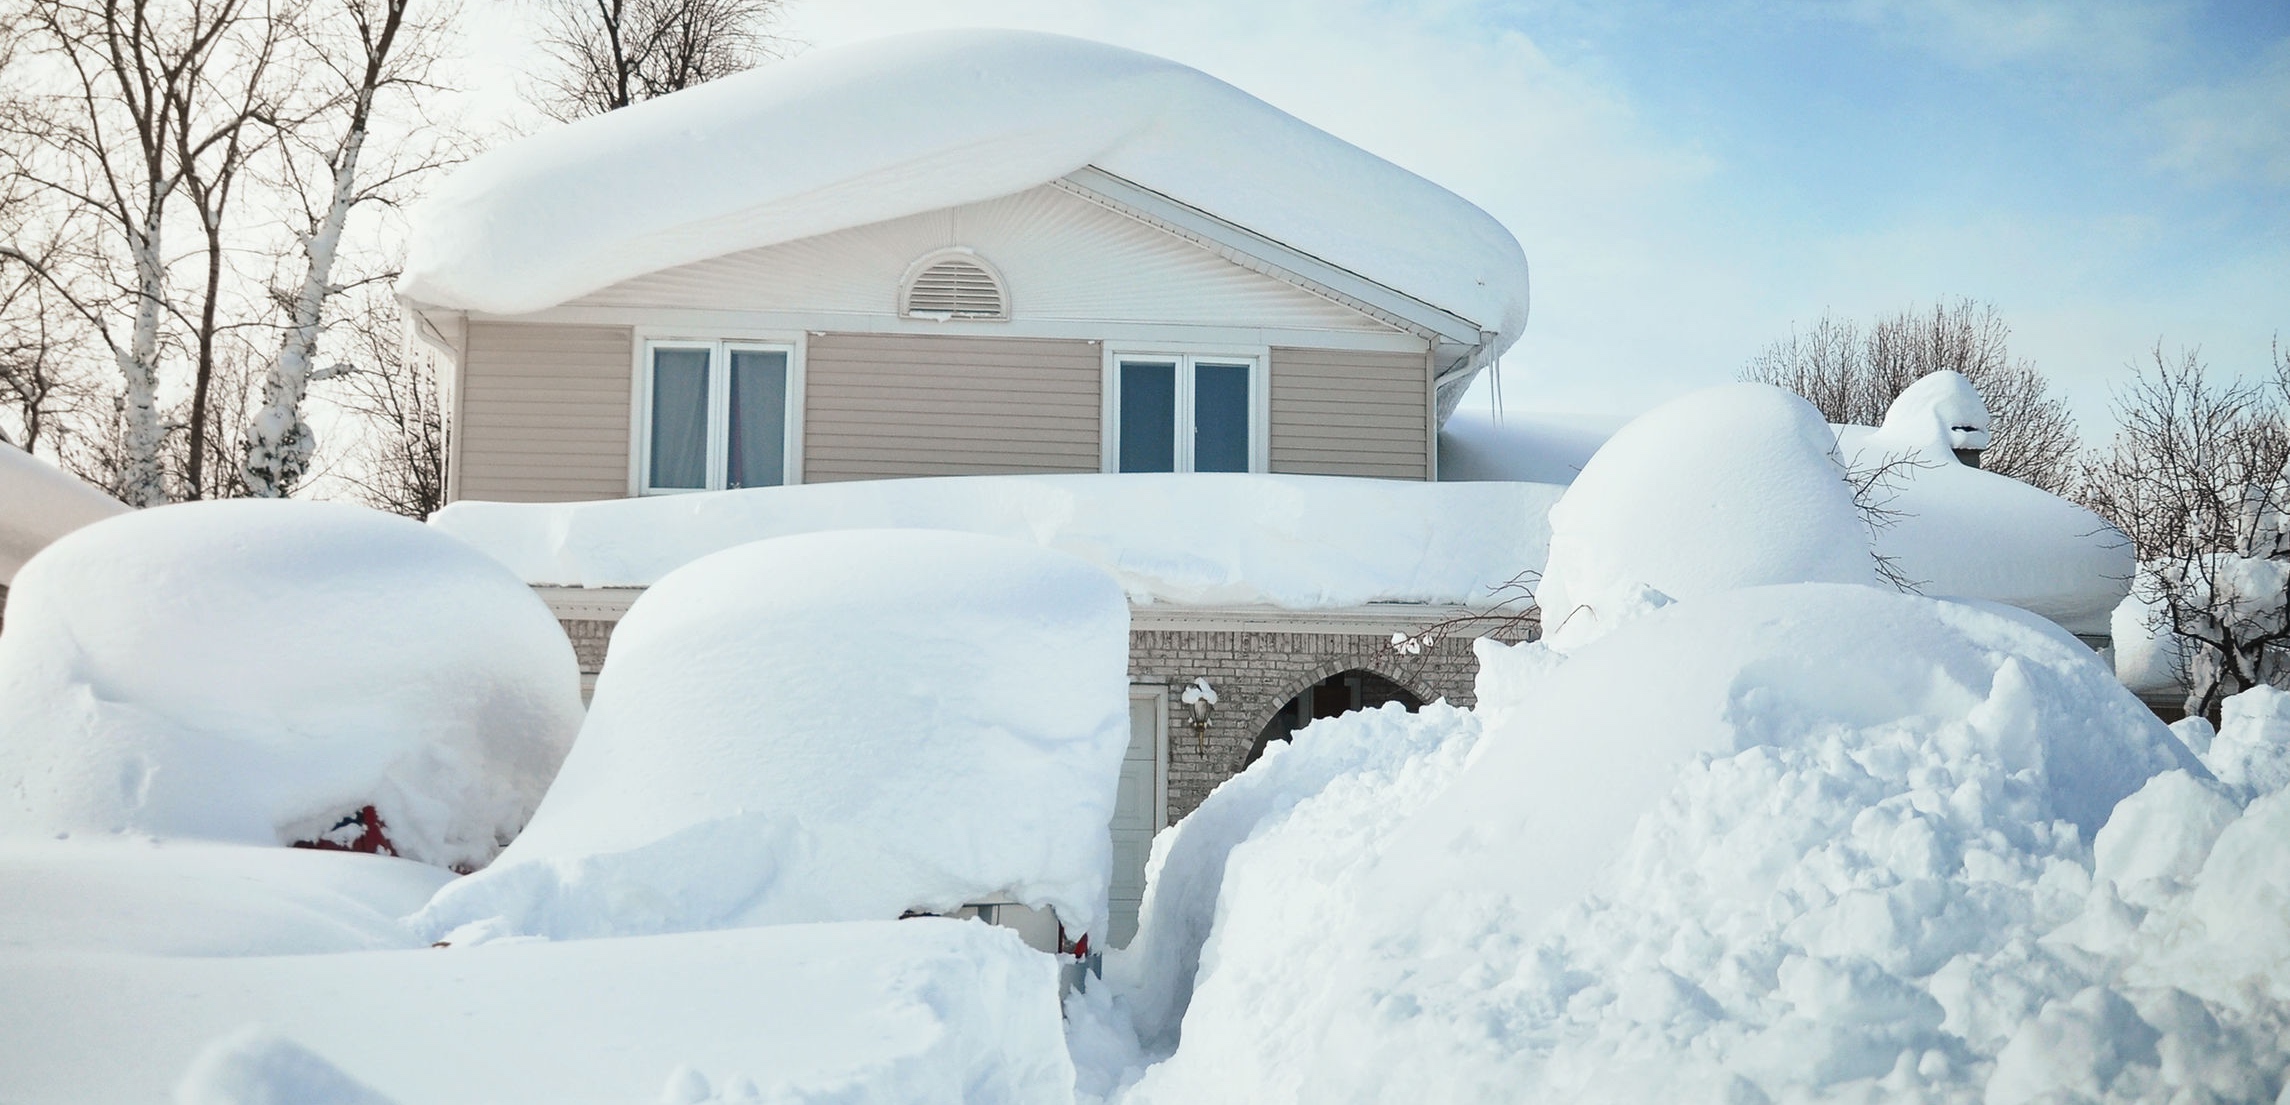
(718,450)
(1187,358)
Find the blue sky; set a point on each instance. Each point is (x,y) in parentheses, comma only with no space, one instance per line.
(1689,180)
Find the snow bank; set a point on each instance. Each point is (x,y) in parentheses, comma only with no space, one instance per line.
(890,1012)
(835,726)
(256,670)
(1810,842)
(193,898)
(1215,538)
(548,218)
(40,502)
(1732,486)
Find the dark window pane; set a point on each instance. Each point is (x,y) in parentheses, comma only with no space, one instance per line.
(1220,418)
(1148,416)
(679,418)
(758,418)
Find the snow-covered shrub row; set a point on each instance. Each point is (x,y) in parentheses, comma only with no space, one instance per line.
(837,726)
(920,1012)
(1212,537)
(1788,843)
(256,670)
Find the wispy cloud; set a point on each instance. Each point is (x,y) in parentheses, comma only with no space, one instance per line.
(2232,131)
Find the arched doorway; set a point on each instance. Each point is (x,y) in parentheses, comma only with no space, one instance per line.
(1338,694)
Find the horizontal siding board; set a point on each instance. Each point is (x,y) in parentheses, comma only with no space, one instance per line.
(1349,413)
(544,413)
(882,406)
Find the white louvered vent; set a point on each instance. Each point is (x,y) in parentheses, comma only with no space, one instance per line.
(956,287)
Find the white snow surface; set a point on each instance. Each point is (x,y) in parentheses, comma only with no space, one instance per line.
(1731,486)
(255,670)
(40,502)
(828,727)
(1845,853)
(833,139)
(1210,538)
(931,1012)
(1476,443)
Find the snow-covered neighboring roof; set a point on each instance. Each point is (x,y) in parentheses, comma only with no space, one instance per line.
(40,502)
(896,126)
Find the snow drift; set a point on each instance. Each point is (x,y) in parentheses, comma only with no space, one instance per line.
(1732,486)
(1844,854)
(836,726)
(922,1012)
(1292,541)
(40,502)
(256,670)
(548,218)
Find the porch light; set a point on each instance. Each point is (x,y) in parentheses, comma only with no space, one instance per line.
(1201,699)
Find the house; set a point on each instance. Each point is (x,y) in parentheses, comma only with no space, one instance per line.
(979,253)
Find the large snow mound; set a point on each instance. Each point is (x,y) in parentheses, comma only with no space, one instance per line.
(185,897)
(837,726)
(921,1012)
(1731,486)
(1809,842)
(834,139)
(1211,538)
(40,502)
(256,670)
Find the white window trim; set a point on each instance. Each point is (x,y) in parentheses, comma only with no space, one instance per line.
(719,403)
(1259,363)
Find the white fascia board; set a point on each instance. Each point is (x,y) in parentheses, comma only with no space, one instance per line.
(1258,253)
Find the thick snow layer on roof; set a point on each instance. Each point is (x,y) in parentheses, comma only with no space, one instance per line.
(40,502)
(858,134)
(1535,446)
(831,727)
(257,670)
(1802,843)
(1215,538)
(1732,486)
(921,1012)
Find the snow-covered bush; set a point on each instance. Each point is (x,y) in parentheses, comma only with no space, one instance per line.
(1731,486)
(257,671)
(1804,842)
(837,726)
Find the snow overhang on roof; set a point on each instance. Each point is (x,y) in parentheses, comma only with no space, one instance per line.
(898,126)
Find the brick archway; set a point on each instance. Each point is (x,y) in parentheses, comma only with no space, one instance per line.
(1406,676)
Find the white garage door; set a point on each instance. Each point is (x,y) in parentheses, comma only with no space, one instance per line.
(1138,812)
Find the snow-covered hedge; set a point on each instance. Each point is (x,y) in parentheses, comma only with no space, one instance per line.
(838,726)
(256,670)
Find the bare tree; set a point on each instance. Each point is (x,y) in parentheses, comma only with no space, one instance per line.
(609,54)
(1852,376)
(2198,476)
(398,463)
(370,51)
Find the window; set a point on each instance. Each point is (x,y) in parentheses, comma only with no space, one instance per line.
(716,415)
(1184,414)
(953,284)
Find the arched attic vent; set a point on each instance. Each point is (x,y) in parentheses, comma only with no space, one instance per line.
(953,284)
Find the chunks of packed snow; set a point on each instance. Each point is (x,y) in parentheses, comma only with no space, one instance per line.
(877,1013)
(257,670)
(39,503)
(187,897)
(1292,541)
(835,726)
(1786,843)
(1731,486)
(549,217)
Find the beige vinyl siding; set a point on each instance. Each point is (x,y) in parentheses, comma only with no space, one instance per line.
(1350,413)
(544,413)
(885,405)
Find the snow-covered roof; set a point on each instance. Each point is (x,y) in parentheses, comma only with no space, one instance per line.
(40,502)
(896,126)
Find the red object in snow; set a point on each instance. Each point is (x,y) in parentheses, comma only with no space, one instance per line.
(370,836)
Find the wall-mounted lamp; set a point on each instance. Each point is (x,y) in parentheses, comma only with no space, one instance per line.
(1201,699)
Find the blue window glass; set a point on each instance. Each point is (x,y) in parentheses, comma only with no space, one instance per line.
(1148,416)
(679,418)
(1220,417)
(758,418)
